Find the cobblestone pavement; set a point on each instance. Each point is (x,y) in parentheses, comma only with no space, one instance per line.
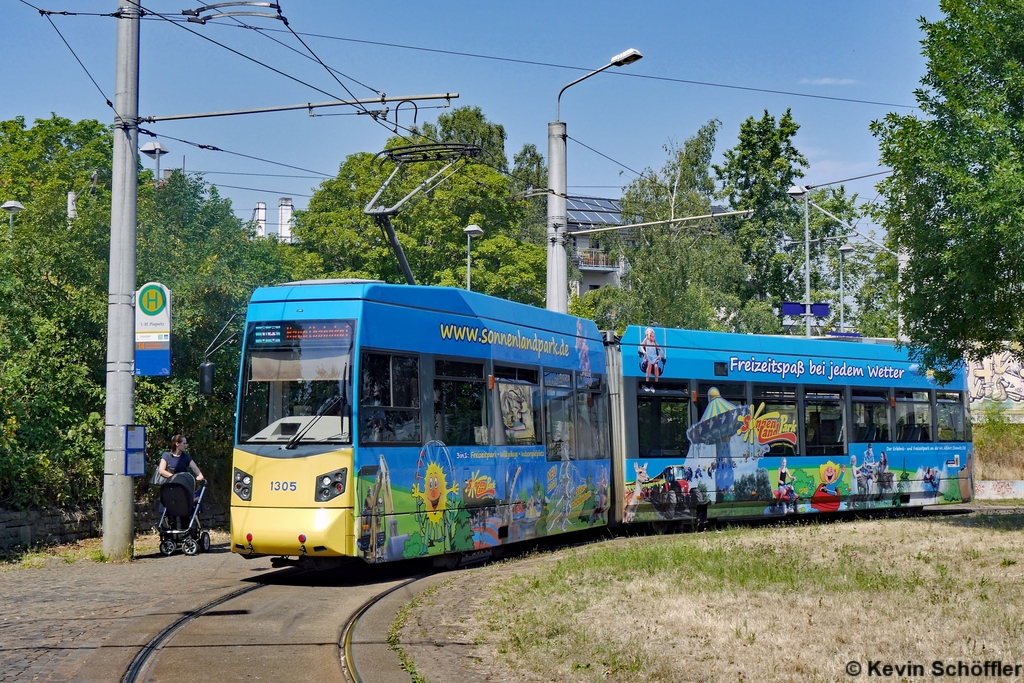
(86,620)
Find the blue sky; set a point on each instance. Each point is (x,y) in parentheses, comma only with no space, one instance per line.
(867,50)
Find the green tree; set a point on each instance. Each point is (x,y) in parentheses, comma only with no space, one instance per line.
(680,274)
(756,174)
(687,274)
(469,125)
(53,313)
(53,289)
(530,180)
(952,203)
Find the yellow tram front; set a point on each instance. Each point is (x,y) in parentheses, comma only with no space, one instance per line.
(292,482)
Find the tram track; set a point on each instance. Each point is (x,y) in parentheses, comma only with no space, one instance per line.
(348,666)
(147,655)
(143,665)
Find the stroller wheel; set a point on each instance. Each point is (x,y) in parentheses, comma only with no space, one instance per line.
(167,548)
(204,542)
(190,546)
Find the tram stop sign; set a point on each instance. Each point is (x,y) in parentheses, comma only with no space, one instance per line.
(153,330)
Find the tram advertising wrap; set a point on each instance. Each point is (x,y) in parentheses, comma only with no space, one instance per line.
(389,422)
(758,425)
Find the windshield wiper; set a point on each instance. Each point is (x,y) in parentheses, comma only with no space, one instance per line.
(328,405)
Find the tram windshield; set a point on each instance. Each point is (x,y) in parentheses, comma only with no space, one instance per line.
(296,383)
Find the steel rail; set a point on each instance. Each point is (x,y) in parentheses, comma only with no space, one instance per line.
(145,656)
(348,662)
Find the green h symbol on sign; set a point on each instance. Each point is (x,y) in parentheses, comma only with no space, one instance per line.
(152,300)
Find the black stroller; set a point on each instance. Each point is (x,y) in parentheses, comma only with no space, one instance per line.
(179,524)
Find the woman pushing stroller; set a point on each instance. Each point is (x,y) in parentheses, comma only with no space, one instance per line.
(177,460)
(179,501)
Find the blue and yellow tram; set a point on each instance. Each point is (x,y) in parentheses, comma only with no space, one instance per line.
(388,422)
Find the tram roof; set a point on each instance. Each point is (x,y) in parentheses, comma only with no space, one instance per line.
(875,349)
(425,297)
(720,345)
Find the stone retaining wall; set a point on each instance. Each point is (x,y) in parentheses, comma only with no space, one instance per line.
(54,526)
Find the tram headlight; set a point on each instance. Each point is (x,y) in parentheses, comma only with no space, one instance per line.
(242,484)
(331,485)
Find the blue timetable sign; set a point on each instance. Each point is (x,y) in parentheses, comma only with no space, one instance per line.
(134,450)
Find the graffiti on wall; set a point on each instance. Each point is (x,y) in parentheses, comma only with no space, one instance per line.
(996,380)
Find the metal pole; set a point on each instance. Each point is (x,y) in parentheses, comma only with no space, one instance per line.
(10,226)
(118,491)
(901,265)
(558,285)
(842,298)
(469,242)
(384,220)
(807,261)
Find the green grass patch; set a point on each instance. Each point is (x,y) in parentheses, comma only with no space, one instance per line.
(712,562)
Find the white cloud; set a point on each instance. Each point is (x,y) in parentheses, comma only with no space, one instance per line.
(827,81)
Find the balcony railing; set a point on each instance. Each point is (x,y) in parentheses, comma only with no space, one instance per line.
(595,258)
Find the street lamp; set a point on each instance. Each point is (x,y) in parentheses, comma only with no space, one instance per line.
(844,251)
(901,264)
(12,207)
(798,192)
(471,232)
(557,284)
(154,150)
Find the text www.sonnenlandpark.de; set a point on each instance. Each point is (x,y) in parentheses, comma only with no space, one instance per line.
(512,340)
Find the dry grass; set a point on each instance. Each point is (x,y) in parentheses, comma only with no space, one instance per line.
(999,455)
(787,603)
(999,448)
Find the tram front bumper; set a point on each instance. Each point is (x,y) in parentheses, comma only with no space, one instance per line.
(315,532)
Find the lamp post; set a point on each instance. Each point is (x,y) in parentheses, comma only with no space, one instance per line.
(12,207)
(901,264)
(557,280)
(471,232)
(154,150)
(798,192)
(844,251)
(901,258)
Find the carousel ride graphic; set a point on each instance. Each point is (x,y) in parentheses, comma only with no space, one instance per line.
(718,425)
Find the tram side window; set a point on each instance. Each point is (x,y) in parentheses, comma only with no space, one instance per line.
(519,400)
(389,404)
(460,403)
(823,422)
(591,418)
(662,421)
(559,411)
(913,416)
(968,423)
(775,408)
(949,408)
(870,416)
(732,392)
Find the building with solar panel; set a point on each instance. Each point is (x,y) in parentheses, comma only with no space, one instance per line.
(597,267)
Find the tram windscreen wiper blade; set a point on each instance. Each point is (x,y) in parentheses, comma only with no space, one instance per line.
(328,405)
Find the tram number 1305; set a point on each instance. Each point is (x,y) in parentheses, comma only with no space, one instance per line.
(282,486)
